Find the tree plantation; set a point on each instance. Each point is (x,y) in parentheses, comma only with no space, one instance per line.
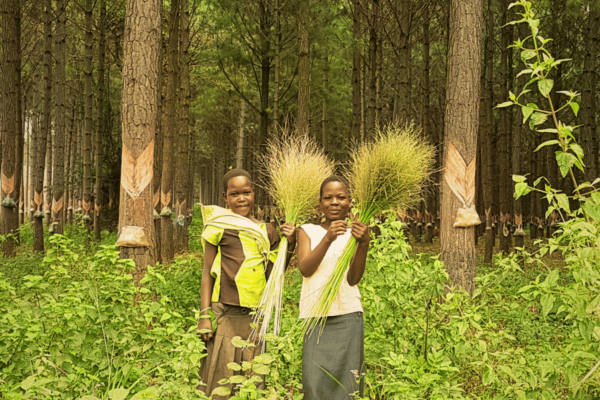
(296,199)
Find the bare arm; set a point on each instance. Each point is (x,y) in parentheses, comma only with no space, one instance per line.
(206,290)
(309,260)
(359,261)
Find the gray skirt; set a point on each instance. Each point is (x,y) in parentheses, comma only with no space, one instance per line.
(340,350)
(231,321)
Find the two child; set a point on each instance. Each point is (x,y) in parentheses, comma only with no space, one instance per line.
(239,252)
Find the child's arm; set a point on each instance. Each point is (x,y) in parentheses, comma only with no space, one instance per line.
(206,289)
(289,231)
(357,267)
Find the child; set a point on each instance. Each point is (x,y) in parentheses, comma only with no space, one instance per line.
(238,258)
(339,349)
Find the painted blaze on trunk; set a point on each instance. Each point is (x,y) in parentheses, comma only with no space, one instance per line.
(462,121)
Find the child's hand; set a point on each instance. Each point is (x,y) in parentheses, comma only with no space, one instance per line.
(289,231)
(337,228)
(203,325)
(360,231)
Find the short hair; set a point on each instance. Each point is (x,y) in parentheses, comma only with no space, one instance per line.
(334,178)
(234,173)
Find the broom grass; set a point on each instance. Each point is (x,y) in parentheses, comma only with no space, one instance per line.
(385,174)
(295,166)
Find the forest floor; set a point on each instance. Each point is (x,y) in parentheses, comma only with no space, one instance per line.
(72,320)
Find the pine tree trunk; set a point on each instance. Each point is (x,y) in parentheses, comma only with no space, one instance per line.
(402,98)
(303,121)
(42,137)
(372,70)
(324,117)
(19,139)
(10,76)
(430,198)
(356,72)
(487,137)
(67,169)
(277,74)
(504,132)
(58,152)
(169,127)
(48,177)
(87,130)
(158,147)
(182,171)
(265,50)
(588,109)
(141,47)
(72,164)
(461,124)
(101,123)
(239,162)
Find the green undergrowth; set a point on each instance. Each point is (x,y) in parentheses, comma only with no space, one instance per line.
(73,325)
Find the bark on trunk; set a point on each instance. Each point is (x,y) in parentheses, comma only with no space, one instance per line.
(101,123)
(87,132)
(139,111)
(402,100)
(303,122)
(461,124)
(356,76)
(10,76)
(324,117)
(487,144)
(182,171)
(239,163)
(588,109)
(167,250)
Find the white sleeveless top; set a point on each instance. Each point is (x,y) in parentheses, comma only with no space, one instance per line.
(348,298)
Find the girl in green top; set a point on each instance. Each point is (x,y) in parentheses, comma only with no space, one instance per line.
(238,258)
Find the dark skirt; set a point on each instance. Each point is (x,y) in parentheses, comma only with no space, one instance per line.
(340,350)
(231,321)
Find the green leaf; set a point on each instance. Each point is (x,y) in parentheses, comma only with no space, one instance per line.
(234,366)
(260,369)
(221,391)
(165,317)
(118,394)
(238,379)
(146,394)
(577,150)
(547,303)
(552,278)
(575,108)
(525,71)
(565,162)
(528,55)
(239,343)
(563,202)
(592,207)
(27,383)
(489,375)
(545,86)
(548,143)
(538,180)
(521,189)
(505,104)
(527,111)
(519,178)
(537,118)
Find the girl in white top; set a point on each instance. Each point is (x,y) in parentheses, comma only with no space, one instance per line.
(339,348)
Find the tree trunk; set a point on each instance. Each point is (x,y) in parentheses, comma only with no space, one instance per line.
(101,123)
(505,128)
(19,138)
(48,177)
(277,76)
(10,76)
(303,122)
(487,137)
(402,99)
(169,127)
(58,152)
(372,70)
(141,47)
(87,131)
(430,198)
(588,109)
(324,117)
(240,145)
(356,62)
(183,136)
(42,137)
(72,164)
(461,123)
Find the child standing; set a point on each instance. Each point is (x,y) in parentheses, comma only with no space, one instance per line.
(238,258)
(339,347)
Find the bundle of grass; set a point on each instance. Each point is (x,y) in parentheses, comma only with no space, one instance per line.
(386,174)
(295,167)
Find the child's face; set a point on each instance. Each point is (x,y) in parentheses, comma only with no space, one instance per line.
(335,201)
(240,195)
